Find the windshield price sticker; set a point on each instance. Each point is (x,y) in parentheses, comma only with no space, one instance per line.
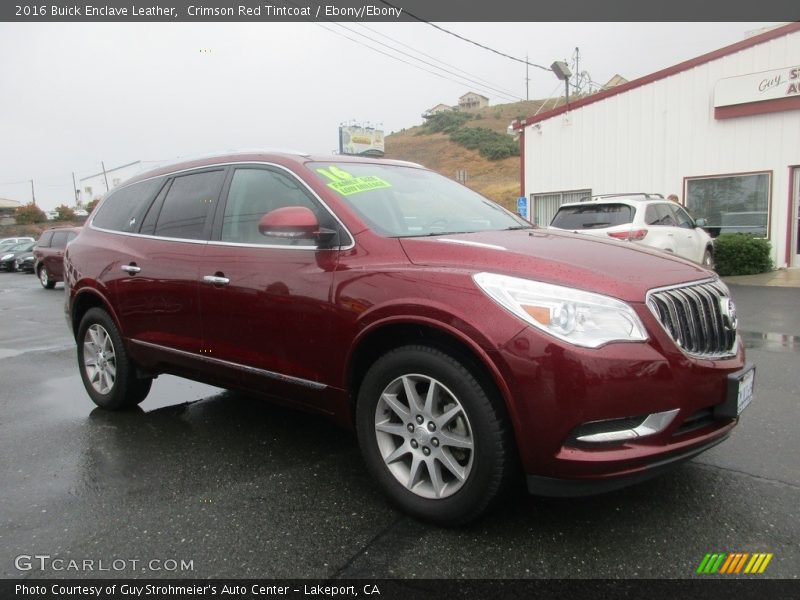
(346,184)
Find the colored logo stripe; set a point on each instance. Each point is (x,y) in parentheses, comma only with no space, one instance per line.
(733,563)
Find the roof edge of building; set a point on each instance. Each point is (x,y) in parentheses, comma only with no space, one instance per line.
(664,73)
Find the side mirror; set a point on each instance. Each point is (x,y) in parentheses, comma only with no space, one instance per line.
(700,223)
(295,223)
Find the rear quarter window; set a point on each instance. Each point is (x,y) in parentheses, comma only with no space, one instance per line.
(122,210)
(592,216)
(44,241)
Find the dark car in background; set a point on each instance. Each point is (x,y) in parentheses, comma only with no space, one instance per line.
(24,262)
(462,345)
(8,257)
(48,255)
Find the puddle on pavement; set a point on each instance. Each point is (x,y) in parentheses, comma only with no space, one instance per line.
(66,395)
(775,342)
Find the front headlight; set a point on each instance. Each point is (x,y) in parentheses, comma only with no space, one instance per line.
(578,317)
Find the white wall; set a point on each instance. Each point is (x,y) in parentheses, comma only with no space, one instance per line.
(651,137)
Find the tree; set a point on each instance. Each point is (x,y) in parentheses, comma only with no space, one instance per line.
(65,213)
(90,206)
(30,213)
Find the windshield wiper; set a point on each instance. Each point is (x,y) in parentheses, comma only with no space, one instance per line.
(518,227)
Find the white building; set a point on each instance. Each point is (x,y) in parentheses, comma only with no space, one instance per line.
(722,131)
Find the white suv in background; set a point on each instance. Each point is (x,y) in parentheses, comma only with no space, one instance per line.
(648,219)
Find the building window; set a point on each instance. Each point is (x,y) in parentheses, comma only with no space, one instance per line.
(731,203)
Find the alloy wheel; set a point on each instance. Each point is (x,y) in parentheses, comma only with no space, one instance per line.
(99,359)
(424,436)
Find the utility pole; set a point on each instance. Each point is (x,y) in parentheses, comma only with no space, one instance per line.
(104,173)
(33,194)
(527,79)
(577,87)
(75,189)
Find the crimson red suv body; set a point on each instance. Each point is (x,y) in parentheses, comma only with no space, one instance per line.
(457,340)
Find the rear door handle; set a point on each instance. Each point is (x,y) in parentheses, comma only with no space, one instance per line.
(216,280)
(132,269)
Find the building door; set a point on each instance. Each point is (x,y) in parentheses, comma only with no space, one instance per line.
(796,196)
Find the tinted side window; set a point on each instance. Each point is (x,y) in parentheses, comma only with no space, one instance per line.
(592,215)
(255,192)
(650,215)
(682,217)
(122,210)
(44,241)
(665,215)
(59,240)
(188,204)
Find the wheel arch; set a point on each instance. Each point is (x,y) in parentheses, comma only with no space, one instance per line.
(387,335)
(84,300)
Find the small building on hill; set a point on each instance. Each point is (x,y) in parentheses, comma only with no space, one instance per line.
(472,101)
(439,108)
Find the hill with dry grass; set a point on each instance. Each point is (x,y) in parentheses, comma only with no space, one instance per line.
(495,179)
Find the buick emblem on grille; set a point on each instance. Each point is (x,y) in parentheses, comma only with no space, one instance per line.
(728,309)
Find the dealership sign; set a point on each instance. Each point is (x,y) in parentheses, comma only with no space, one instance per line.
(758,87)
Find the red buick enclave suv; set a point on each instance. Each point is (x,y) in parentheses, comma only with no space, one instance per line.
(458,341)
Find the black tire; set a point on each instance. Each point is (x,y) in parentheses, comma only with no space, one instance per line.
(486,467)
(708,260)
(124,389)
(44,278)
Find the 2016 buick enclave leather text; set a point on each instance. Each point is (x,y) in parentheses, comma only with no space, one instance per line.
(462,345)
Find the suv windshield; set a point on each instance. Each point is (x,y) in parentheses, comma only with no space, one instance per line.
(592,216)
(399,201)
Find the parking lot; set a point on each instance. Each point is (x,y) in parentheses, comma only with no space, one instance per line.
(215,484)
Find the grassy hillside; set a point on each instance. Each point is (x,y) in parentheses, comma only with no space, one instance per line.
(496,179)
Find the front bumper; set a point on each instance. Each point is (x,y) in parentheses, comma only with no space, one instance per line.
(558,389)
(549,486)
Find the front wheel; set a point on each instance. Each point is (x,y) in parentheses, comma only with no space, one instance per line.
(107,372)
(44,278)
(708,260)
(432,436)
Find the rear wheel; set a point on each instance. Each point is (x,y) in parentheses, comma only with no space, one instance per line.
(107,372)
(44,278)
(431,435)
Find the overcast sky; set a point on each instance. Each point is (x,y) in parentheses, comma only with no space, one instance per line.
(75,94)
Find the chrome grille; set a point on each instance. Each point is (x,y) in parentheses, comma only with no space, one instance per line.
(695,317)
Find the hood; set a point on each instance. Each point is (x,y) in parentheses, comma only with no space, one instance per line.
(622,270)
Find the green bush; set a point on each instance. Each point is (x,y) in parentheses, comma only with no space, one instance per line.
(741,254)
(446,122)
(490,144)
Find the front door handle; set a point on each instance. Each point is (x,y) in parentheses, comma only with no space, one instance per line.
(216,280)
(131,268)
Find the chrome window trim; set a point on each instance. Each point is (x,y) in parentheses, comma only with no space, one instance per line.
(315,385)
(291,173)
(722,356)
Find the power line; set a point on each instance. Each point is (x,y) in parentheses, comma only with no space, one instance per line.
(428,55)
(397,58)
(461,37)
(504,93)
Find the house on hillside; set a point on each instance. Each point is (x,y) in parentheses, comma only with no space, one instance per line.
(472,101)
(615,81)
(720,130)
(439,108)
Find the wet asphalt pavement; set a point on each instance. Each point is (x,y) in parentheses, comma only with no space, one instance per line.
(242,489)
